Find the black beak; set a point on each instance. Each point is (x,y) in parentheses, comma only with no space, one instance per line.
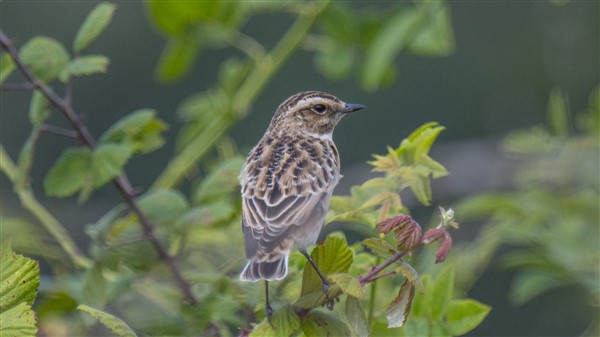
(350,107)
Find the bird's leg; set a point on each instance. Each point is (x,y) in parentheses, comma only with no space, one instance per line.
(268,309)
(326,283)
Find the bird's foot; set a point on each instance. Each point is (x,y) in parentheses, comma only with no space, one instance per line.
(268,312)
(328,301)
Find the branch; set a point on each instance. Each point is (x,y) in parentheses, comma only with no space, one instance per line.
(372,274)
(121,182)
(17,86)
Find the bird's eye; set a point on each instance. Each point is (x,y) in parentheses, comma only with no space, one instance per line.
(319,108)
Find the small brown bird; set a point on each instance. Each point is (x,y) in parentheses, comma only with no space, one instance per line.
(287,182)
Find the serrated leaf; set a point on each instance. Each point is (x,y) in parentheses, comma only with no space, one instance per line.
(349,284)
(380,247)
(397,313)
(441,293)
(115,324)
(411,275)
(45,56)
(140,130)
(356,317)
(18,321)
(163,206)
(20,279)
(332,256)
(108,161)
(285,323)
(318,323)
(69,173)
(7,66)
(84,65)
(93,25)
(39,108)
(465,315)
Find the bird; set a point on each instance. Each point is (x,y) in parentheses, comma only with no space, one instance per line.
(287,183)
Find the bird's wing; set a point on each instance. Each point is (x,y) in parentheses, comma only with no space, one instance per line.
(276,198)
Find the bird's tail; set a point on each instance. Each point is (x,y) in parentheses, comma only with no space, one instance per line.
(265,270)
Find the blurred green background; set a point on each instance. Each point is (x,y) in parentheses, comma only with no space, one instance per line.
(508,57)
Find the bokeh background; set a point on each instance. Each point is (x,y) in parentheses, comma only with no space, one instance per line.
(509,56)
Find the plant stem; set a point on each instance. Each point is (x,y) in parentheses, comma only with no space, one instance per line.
(50,223)
(370,276)
(121,182)
(262,72)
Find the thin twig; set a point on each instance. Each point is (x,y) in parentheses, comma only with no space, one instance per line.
(371,275)
(58,131)
(121,182)
(17,86)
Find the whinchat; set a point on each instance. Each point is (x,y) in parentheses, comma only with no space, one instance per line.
(287,183)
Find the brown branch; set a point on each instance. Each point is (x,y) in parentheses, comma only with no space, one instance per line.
(58,131)
(17,86)
(121,182)
(372,274)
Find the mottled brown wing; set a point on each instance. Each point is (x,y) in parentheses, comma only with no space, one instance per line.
(283,194)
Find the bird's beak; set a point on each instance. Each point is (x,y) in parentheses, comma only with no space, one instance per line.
(350,107)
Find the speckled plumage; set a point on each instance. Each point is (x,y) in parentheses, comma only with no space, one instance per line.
(287,182)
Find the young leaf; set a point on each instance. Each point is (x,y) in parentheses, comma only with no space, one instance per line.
(39,108)
(398,311)
(356,317)
(332,256)
(20,279)
(108,161)
(318,323)
(116,325)
(441,293)
(45,56)
(69,173)
(94,25)
(285,323)
(84,65)
(379,247)
(140,130)
(7,65)
(465,315)
(348,284)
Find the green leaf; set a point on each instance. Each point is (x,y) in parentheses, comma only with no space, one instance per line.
(18,321)
(26,160)
(411,275)
(173,17)
(108,161)
(465,315)
(94,287)
(318,323)
(393,37)
(39,108)
(69,173)
(435,37)
(163,206)
(140,130)
(208,214)
(7,65)
(178,57)
(356,317)
(285,323)
(379,247)
(418,326)
(115,324)
(558,113)
(397,313)
(94,24)
(332,256)
(335,61)
(221,182)
(84,65)
(45,56)
(529,284)
(348,284)
(20,279)
(441,293)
